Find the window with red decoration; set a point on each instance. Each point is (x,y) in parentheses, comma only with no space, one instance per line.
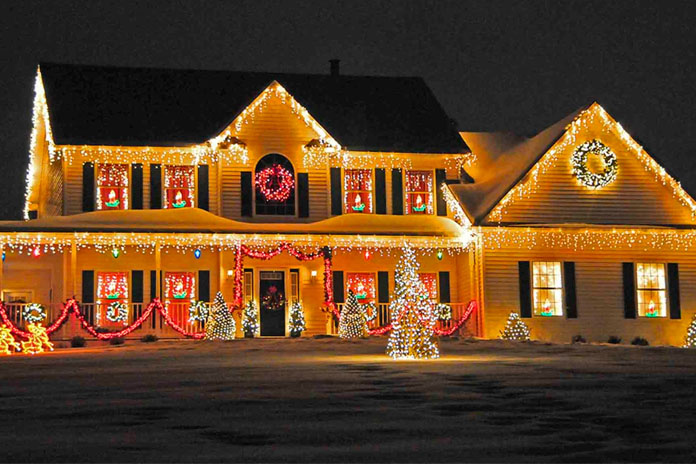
(362,284)
(179,286)
(419,192)
(430,282)
(179,187)
(112,186)
(112,291)
(274,179)
(358,188)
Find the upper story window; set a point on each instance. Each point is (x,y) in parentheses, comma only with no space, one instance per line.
(547,287)
(419,192)
(112,186)
(179,186)
(275,186)
(358,188)
(651,289)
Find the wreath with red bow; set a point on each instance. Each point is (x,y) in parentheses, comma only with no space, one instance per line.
(275,183)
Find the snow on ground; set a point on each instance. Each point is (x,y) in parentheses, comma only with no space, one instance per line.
(330,400)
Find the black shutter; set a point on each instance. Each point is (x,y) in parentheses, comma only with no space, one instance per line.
(203,187)
(440,178)
(204,285)
(153,285)
(33,214)
(629,287)
(137,287)
(336,192)
(397,192)
(302,194)
(338,287)
(247,193)
(137,186)
(87,286)
(570,293)
(155,186)
(444,278)
(380,191)
(525,289)
(674,297)
(88,187)
(382,287)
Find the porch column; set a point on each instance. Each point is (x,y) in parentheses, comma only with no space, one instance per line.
(158,270)
(73,268)
(221,272)
(2,265)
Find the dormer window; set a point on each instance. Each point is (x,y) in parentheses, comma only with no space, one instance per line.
(419,192)
(358,188)
(179,186)
(112,186)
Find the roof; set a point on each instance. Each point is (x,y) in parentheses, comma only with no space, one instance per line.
(97,105)
(502,160)
(194,220)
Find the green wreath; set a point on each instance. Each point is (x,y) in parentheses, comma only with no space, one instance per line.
(588,178)
(34,313)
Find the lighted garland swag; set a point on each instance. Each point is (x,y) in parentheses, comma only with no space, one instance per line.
(588,178)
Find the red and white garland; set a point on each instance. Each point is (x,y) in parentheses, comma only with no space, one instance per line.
(275,183)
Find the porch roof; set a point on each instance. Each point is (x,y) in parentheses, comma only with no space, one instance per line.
(194,220)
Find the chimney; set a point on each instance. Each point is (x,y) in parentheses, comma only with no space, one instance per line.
(335,67)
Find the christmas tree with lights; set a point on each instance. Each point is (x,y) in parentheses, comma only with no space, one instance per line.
(297,319)
(413,314)
(515,329)
(7,341)
(690,341)
(220,324)
(250,319)
(353,322)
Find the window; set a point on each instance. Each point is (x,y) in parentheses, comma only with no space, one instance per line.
(295,285)
(358,188)
(179,186)
(112,287)
(651,287)
(430,282)
(112,186)
(274,182)
(547,288)
(179,286)
(419,192)
(248,285)
(362,284)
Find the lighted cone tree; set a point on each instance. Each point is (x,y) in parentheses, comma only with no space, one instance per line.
(690,341)
(353,322)
(297,319)
(250,319)
(515,329)
(220,324)
(413,314)
(7,342)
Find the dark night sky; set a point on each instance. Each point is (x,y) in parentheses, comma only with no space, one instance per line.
(493,65)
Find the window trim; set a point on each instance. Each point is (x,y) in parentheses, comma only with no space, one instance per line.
(562,288)
(664,290)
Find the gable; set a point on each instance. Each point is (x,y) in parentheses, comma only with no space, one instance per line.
(642,193)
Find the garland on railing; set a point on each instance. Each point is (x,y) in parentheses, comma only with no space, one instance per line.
(73,305)
(470,308)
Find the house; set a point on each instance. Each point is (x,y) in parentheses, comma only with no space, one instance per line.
(282,188)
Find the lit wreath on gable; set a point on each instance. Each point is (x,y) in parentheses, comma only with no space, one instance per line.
(275,183)
(588,178)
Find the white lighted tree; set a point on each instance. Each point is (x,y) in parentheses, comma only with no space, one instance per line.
(413,314)
(353,322)
(220,324)
(690,341)
(515,329)
(297,320)
(250,319)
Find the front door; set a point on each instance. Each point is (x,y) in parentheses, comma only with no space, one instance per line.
(273,302)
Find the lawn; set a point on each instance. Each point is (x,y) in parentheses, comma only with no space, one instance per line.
(330,400)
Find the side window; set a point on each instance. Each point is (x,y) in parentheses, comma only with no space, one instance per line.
(651,290)
(179,187)
(274,180)
(430,282)
(112,308)
(358,191)
(419,192)
(362,284)
(112,186)
(547,288)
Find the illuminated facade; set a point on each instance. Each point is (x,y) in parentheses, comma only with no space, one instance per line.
(284,191)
